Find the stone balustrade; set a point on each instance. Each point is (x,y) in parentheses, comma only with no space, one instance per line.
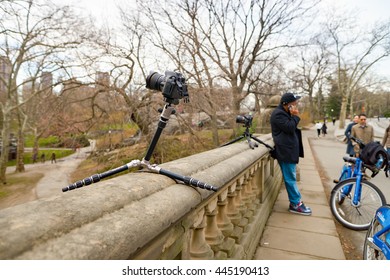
(142,215)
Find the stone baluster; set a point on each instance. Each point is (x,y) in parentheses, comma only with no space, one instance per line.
(251,182)
(199,249)
(251,204)
(235,207)
(249,197)
(258,182)
(213,234)
(233,212)
(224,222)
(242,181)
(239,197)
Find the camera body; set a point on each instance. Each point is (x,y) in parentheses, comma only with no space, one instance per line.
(246,120)
(172,85)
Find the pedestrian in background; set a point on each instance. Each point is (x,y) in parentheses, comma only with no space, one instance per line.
(53,158)
(362,131)
(318,127)
(347,134)
(43,158)
(324,129)
(386,140)
(288,148)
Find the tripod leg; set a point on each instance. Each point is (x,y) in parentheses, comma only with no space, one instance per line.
(251,144)
(233,141)
(185,179)
(97,177)
(261,142)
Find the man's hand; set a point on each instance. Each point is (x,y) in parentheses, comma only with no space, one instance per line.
(293,110)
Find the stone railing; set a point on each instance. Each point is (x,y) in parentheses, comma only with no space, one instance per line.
(149,216)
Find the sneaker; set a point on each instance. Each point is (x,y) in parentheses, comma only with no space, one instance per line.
(300,209)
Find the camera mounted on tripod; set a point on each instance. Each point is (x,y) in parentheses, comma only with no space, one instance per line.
(246,120)
(172,85)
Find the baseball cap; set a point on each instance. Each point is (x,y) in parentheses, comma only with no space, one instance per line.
(289,97)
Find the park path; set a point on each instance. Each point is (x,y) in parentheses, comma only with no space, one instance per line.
(57,175)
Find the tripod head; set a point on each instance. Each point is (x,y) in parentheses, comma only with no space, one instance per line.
(246,120)
(172,85)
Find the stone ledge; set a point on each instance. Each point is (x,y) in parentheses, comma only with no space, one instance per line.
(116,218)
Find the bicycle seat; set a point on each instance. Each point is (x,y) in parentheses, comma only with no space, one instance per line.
(349,159)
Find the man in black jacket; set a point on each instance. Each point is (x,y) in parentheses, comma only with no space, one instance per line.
(288,148)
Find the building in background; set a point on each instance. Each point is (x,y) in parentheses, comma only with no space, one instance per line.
(102,80)
(46,84)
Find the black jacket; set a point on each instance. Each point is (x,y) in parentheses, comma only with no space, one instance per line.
(287,137)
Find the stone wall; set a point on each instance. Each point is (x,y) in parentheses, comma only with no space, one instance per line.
(144,215)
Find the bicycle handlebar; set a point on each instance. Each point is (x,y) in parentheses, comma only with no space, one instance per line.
(353,160)
(358,141)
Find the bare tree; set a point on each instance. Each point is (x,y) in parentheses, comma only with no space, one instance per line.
(311,71)
(355,53)
(226,39)
(37,37)
(123,55)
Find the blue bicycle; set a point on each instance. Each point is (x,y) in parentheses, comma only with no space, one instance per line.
(354,200)
(377,241)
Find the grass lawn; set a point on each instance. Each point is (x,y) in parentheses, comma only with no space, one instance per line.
(27,159)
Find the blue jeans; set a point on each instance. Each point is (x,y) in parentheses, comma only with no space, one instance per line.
(289,172)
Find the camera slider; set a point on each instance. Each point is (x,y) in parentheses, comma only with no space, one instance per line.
(164,117)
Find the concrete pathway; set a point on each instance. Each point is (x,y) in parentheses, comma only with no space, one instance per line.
(290,236)
(56,175)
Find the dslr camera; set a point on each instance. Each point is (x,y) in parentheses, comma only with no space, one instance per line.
(246,120)
(172,85)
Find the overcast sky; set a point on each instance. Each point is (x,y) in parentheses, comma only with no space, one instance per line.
(369,11)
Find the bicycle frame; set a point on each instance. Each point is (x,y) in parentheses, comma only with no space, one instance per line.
(351,172)
(351,168)
(347,171)
(382,215)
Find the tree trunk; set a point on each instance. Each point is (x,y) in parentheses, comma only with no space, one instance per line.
(214,129)
(4,147)
(35,148)
(20,153)
(343,111)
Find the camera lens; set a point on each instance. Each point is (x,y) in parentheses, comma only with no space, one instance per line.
(155,81)
(240,119)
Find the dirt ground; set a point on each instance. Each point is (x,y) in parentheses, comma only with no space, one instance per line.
(20,188)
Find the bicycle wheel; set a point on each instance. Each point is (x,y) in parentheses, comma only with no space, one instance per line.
(355,217)
(369,253)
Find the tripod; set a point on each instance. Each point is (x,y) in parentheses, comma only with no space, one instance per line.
(167,111)
(248,137)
